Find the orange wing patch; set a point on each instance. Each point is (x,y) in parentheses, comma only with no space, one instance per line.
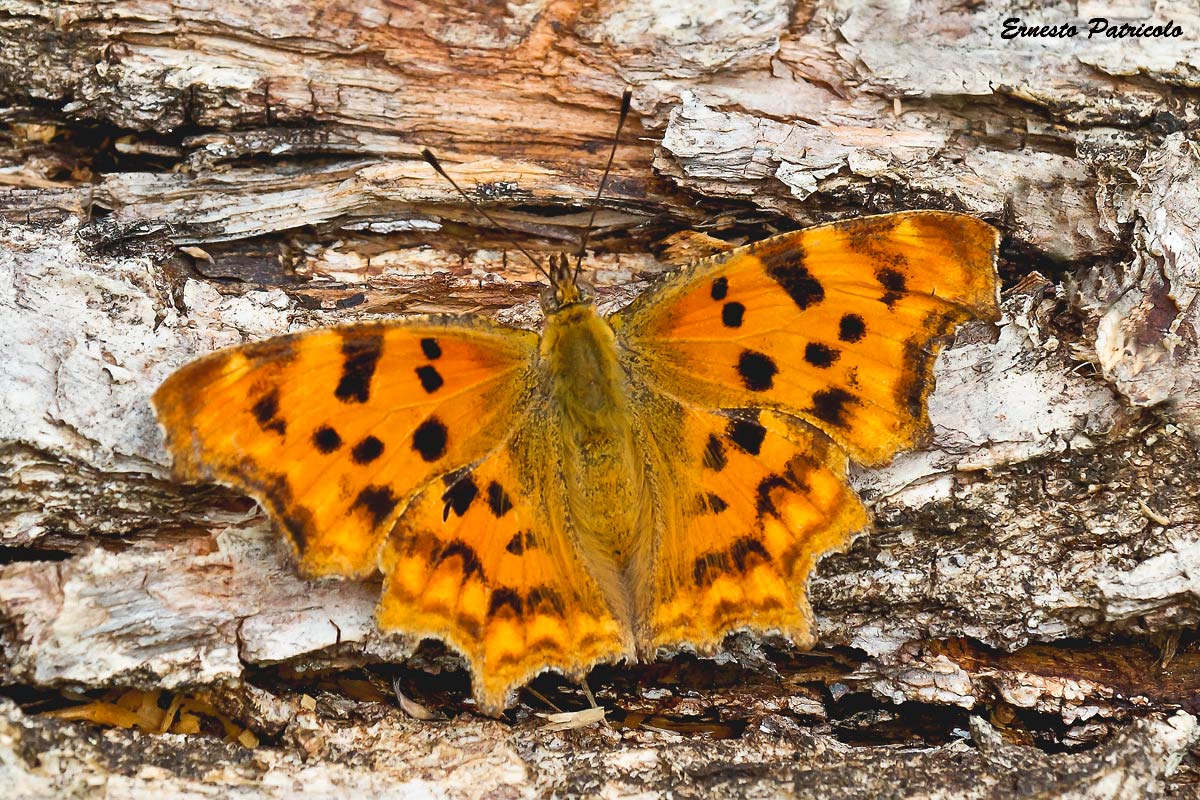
(333,431)
(757,499)
(837,324)
(485,560)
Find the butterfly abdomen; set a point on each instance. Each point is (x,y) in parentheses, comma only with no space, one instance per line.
(602,463)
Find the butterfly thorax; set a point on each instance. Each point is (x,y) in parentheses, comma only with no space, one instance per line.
(602,462)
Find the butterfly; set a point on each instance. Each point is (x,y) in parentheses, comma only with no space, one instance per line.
(613,487)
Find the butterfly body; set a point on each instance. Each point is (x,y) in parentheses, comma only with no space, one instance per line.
(599,459)
(590,398)
(615,486)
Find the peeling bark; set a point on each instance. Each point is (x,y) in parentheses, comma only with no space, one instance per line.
(178,179)
(398,757)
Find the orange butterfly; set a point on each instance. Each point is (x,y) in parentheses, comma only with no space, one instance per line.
(612,486)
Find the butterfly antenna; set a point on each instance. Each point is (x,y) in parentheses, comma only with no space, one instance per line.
(626,98)
(432,160)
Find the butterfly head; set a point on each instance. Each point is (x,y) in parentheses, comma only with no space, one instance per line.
(566,287)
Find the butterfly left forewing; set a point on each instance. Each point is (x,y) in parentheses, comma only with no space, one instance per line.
(334,430)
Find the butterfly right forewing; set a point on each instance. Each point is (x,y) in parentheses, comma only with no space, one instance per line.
(837,324)
(762,369)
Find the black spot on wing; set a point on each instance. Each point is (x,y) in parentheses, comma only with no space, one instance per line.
(459,496)
(297,521)
(367,450)
(265,411)
(466,555)
(894,282)
(785,265)
(472,626)
(360,355)
(765,504)
(451,478)
(757,370)
(731,315)
(326,439)
(543,598)
(707,567)
(520,542)
(820,355)
(740,556)
(747,435)
(431,348)
(911,393)
(498,500)
(278,489)
(431,380)
(720,288)
(829,405)
(714,454)
(502,598)
(377,501)
(746,552)
(266,408)
(299,524)
(429,439)
(715,503)
(891,279)
(852,328)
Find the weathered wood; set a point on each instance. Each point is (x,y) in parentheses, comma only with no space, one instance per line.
(179,178)
(466,758)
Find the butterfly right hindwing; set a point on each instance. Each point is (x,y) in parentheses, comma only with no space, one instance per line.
(752,500)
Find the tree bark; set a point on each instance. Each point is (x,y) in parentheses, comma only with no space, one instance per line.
(1020,621)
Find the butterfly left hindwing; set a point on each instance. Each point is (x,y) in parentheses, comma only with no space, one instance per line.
(486,559)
